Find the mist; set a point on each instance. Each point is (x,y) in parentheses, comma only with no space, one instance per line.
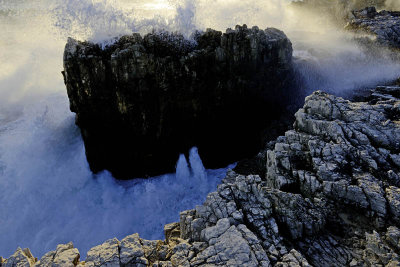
(392,5)
(334,59)
(49,196)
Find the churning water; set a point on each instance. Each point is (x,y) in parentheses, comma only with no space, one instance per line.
(47,193)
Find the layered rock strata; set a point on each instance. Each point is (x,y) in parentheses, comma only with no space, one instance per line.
(384,26)
(330,196)
(144,100)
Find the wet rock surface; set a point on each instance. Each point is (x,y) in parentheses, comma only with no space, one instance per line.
(144,100)
(330,196)
(383,25)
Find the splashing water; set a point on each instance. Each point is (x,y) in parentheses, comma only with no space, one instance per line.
(48,194)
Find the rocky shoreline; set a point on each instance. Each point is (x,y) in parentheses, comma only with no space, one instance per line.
(384,26)
(330,196)
(327,193)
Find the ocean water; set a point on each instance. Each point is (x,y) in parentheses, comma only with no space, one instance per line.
(47,193)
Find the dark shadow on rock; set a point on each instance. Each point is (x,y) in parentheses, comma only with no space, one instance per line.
(144,100)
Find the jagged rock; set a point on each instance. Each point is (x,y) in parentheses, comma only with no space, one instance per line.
(340,144)
(333,168)
(300,216)
(46,260)
(131,252)
(171,231)
(293,258)
(230,247)
(21,258)
(393,197)
(155,250)
(393,236)
(180,255)
(366,13)
(64,255)
(378,253)
(68,257)
(106,254)
(384,25)
(144,100)
(216,231)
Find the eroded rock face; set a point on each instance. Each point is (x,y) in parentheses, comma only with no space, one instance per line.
(144,100)
(330,197)
(383,25)
(331,189)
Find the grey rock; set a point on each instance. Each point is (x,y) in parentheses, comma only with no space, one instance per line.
(384,25)
(106,254)
(377,252)
(131,252)
(393,197)
(180,255)
(301,217)
(217,230)
(393,236)
(232,249)
(69,257)
(293,258)
(46,260)
(21,258)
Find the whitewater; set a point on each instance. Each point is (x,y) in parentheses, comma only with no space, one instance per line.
(48,195)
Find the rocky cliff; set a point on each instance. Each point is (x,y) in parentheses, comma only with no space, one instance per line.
(383,25)
(330,196)
(144,100)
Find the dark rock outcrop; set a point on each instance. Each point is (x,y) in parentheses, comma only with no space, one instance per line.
(383,25)
(330,197)
(144,100)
